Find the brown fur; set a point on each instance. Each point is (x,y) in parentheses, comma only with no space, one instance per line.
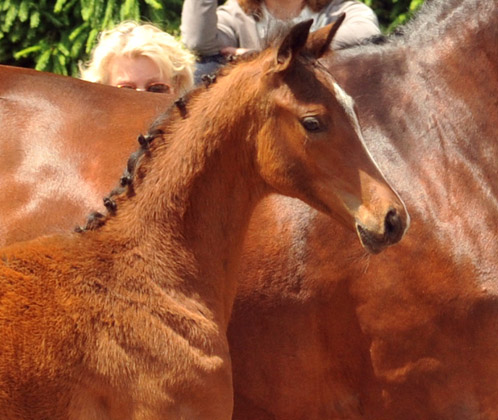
(128,320)
(63,147)
(322,331)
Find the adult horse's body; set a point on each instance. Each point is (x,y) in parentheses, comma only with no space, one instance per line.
(320,331)
(411,333)
(127,320)
(61,143)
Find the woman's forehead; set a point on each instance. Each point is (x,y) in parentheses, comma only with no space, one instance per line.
(137,69)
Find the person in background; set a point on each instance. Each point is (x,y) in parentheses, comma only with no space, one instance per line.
(141,57)
(213,31)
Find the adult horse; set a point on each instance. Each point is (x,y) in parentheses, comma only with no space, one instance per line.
(320,331)
(127,319)
(61,144)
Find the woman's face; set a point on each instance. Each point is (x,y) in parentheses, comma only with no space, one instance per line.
(140,73)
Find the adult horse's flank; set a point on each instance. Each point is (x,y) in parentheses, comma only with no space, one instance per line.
(61,146)
(127,320)
(319,331)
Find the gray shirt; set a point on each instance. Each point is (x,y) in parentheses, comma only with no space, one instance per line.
(207,28)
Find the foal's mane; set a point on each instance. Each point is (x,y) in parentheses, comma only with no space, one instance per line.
(162,128)
(166,124)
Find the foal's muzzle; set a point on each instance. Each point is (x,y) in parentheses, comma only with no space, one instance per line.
(393,230)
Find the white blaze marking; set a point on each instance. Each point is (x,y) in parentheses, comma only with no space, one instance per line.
(347,103)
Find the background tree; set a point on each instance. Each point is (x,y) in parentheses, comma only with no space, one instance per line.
(392,13)
(55,36)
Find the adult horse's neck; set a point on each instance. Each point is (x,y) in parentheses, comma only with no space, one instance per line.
(427,105)
(181,219)
(417,83)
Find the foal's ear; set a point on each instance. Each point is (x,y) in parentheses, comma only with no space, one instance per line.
(291,45)
(319,41)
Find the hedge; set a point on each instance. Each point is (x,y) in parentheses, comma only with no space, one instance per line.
(55,37)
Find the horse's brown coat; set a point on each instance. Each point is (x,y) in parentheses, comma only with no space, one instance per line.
(411,333)
(128,320)
(322,331)
(62,146)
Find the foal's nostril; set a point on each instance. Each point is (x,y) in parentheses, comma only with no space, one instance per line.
(393,226)
(374,240)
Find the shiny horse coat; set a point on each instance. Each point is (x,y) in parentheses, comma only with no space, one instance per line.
(127,319)
(319,329)
(62,144)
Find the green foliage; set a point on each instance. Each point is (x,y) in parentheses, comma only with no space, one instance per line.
(55,35)
(392,13)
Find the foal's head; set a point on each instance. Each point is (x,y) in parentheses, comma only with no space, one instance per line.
(300,126)
(310,146)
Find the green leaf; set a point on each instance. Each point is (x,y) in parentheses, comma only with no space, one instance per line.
(97,14)
(24,10)
(62,59)
(27,51)
(54,66)
(63,48)
(109,8)
(90,42)
(5,5)
(77,46)
(34,19)
(52,19)
(415,5)
(62,64)
(154,4)
(127,9)
(59,5)
(75,33)
(74,71)
(43,60)
(69,5)
(17,33)
(88,10)
(10,16)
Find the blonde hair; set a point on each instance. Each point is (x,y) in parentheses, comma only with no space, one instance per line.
(132,39)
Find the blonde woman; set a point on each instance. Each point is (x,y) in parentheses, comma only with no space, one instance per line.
(141,57)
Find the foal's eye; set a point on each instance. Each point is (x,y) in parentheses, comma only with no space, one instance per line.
(311,123)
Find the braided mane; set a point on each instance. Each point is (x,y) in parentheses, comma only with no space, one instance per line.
(160,127)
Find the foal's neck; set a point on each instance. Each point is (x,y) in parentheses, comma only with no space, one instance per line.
(192,206)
